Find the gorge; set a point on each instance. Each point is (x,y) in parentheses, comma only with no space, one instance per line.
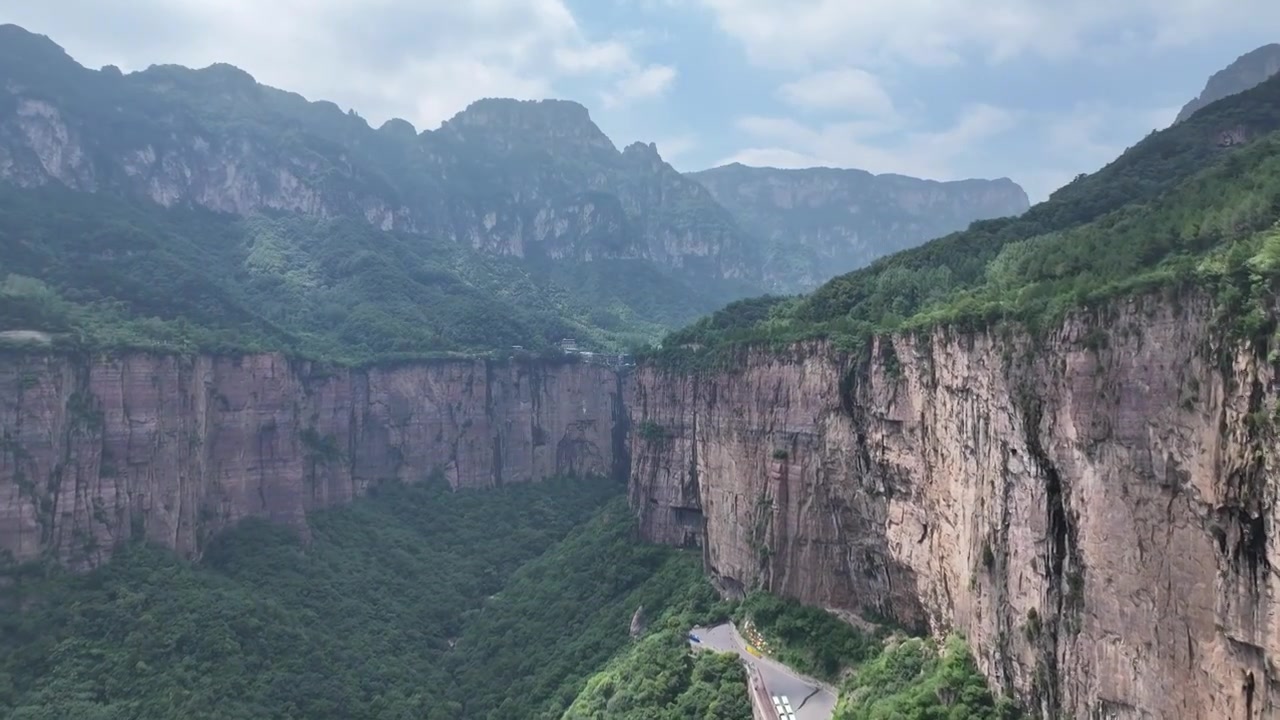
(1053,433)
(1047,496)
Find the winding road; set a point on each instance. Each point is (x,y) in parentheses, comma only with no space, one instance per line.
(809,699)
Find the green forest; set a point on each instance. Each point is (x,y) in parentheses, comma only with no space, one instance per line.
(96,272)
(419,602)
(415,602)
(1195,205)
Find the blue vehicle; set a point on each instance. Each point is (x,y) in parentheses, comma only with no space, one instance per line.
(694,638)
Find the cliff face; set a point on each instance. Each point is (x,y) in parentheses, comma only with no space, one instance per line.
(1249,70)
(95,452)
(1094,510)
(822,222)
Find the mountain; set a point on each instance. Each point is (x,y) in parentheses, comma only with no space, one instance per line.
(1247,71)
(528,179)
(1055,434)
(820,222)
(615,245)
(305,230)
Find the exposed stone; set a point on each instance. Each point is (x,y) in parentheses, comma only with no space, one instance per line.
(638,623)
(1094,510)
(1246,72)
(95,452)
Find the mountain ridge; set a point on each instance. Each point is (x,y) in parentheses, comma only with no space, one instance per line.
(1245,72)
(844,218)
(510,177)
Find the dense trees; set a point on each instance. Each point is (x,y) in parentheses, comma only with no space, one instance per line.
(659,679)
(415,603)
(916,678)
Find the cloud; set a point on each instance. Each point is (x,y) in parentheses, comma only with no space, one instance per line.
(874,146)
(807,33)
(851,89)
(640,84)
(423,60)
(674,148)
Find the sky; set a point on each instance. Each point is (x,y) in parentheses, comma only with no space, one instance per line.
(1034,90)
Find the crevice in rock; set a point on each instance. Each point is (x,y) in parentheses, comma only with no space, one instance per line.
(621,430)
(1063,570)
(498,480)
(1248,694)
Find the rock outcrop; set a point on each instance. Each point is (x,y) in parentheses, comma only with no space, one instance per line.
(1248,71)
(95,451)
(820,222)
(1094,508)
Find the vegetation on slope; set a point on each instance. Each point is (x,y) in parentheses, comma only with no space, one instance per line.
(103,274)
(917,678)
(1149,219)
(879,676)
(564,615)
(398,608)
(658,678)
(808,639)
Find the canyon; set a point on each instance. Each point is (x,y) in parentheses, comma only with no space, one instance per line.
(1090,506)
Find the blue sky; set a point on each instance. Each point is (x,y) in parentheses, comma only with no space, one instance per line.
(1029,89)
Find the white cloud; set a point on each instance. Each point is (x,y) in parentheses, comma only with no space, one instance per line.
(605,56)
(642,83)
(850,89)
(805,33)
(419,60)
(674,148)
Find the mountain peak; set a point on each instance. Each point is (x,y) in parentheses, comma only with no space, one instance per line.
(399,127)
(1246,72)
(17,44)
(548,120)
(499,112)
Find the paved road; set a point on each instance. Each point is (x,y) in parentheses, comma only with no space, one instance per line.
(779,679)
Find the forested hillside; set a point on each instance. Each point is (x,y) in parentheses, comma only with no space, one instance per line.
(417,602)
(1193,204)
(99,272)
(411,603)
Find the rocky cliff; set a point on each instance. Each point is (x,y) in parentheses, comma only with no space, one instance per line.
(820,222)
(95,451)
(1246,72)
(1094,508)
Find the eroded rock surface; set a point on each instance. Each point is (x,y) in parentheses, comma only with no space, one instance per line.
(93,452)
(1094,510)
